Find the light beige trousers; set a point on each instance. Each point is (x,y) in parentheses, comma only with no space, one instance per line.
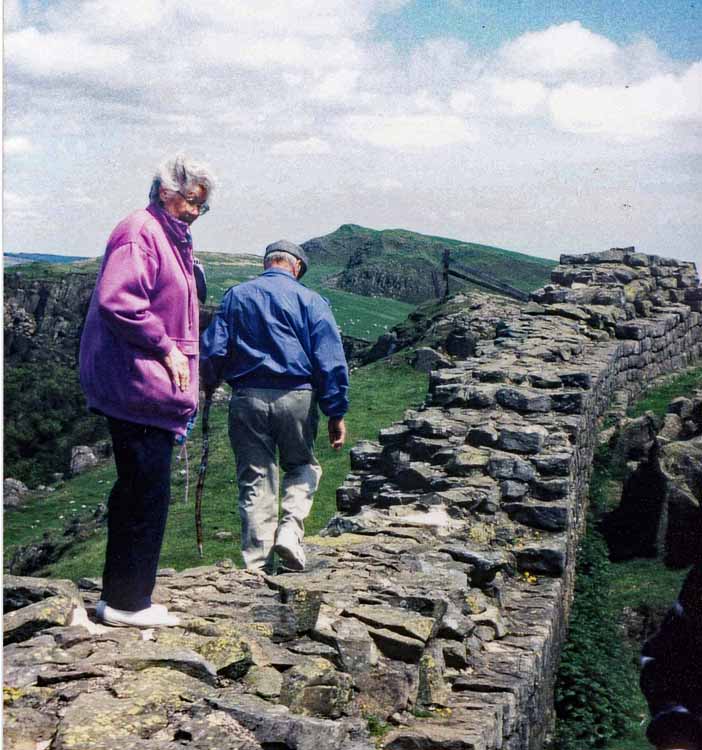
(264,424)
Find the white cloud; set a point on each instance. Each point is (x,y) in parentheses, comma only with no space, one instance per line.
(266,52)
(12,15)
(311,145)
(106,19)
(17,144)
(22,208)
(644,110)
(339,86)
(464,102)
(60,54)
(408,131)
(518,96)
(557,50)
(389,185)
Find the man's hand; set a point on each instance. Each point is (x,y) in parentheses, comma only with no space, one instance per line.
(337,432)
(178,368)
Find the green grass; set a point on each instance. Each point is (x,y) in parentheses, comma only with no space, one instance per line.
(658,397)
(645,583)
(379,395)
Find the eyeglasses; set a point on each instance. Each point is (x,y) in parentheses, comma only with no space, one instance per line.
(203,207)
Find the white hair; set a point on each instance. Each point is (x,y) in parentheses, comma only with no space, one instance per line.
(280,256)
(181,174)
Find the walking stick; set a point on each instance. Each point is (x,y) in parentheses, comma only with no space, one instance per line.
(203,469)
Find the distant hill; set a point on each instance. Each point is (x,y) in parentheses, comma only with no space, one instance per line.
(406,265)
(14,259)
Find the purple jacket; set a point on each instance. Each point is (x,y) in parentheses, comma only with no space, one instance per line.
(144,302)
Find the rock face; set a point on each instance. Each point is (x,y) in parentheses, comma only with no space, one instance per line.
(43,318)
(13,492)
(660,512)
(82,458)
(435,601)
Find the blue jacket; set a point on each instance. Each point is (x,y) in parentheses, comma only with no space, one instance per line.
(272,332)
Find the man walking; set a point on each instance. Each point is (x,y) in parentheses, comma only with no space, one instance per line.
(277,345)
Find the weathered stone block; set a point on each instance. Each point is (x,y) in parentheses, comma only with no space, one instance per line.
(526,439)
(401,621)
(467,460)
(506,466)
(523,400)
(545,556)
(365,456)
(512,490)
(396,646)
(22,624)
(485,435)
(549,516)
(549,489)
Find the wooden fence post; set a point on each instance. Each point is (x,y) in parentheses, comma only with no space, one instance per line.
(447,259)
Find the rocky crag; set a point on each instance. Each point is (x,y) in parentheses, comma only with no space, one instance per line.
(659,513)
(43,317)
(435,603)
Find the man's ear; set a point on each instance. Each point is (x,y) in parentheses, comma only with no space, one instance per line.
(162,194)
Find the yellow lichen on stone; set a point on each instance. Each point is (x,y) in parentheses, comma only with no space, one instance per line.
(481,532)
(345,540)
(10,694)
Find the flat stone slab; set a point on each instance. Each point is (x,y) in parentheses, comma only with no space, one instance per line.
(405,623)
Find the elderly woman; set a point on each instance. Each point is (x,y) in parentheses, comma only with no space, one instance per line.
(139,367)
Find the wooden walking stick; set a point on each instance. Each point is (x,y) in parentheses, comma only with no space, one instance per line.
(203,468)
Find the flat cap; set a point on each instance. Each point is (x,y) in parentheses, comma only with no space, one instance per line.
(285,246)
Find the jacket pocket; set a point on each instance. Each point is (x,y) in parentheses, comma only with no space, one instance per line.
(187,346)
(152,391)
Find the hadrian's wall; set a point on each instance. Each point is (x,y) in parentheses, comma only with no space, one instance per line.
(436,600)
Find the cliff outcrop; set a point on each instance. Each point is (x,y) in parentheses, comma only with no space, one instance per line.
(435,603)
(43,318)
(659,513)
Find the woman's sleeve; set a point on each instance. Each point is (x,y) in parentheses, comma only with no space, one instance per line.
(124,298)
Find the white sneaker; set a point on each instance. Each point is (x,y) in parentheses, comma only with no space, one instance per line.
(289,549)
(152,617)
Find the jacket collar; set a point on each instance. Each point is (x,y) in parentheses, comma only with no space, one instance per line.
(279,272)
(176,230)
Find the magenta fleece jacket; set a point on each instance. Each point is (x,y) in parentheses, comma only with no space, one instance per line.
(144,302)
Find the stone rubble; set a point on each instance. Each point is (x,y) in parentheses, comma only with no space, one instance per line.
(435,602)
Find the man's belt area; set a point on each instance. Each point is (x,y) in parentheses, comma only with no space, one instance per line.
(282,382)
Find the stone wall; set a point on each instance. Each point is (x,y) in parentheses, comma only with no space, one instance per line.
(435,603)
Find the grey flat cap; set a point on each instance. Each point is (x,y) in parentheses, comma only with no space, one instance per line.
(284,246)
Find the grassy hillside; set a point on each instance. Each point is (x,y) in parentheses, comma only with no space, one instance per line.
(379,395)
(352,246)
(11,259)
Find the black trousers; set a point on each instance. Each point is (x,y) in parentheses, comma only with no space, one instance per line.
(136,513)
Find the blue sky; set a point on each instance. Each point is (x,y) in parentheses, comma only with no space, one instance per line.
(541,128)
(675,26)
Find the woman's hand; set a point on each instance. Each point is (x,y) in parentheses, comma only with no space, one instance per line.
(178,368)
